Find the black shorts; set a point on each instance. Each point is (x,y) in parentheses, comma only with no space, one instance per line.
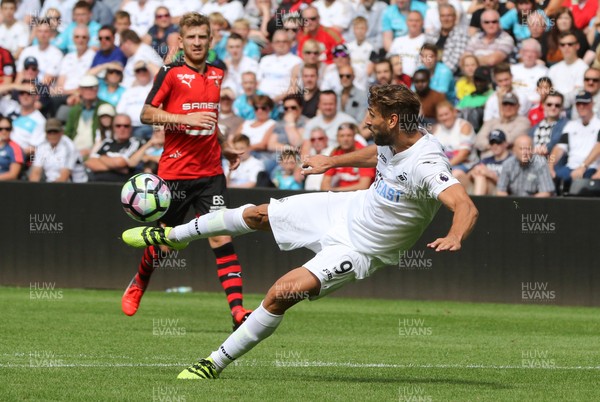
(204,195)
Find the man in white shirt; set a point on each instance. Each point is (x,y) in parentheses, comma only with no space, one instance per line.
(567,75)
(237,63)
(57,159)
(353,234)
(577,142)
(336,14)
(142,15)
(591,84)
(409,47)
(504,84)
(75,64)
(527,73)
(275,70)
(135,50)
(14,34)
(230,9)
(28,128)
(48,56)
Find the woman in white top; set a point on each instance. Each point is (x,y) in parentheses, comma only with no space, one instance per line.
(260,130)
(457,136)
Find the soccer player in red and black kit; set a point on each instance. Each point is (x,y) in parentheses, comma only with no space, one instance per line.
(185,99)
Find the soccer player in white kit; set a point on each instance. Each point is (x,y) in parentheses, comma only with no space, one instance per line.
(353,234)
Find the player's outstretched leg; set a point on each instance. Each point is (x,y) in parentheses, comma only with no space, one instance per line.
(259,325)
(229,222)
(130,301)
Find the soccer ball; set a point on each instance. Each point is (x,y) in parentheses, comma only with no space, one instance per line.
(145,197)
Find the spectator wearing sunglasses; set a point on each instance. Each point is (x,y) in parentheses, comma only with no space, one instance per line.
(567,75)
(111,162)
(491,46)
(547,132)
(108,51)
(313,29)
(162,33)
(591,84)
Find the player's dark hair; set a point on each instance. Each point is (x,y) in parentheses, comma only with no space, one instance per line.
(398,100)
(131,36)
(193,19)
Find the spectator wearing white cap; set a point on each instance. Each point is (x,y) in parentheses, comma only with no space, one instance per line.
(106,114)
(14,34)
(47,56)
(134,98)
(82,121)
(57,159)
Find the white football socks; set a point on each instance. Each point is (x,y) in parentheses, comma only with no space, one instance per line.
(222,222)
(257,327)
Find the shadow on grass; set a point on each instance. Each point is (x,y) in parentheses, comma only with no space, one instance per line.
(393,379)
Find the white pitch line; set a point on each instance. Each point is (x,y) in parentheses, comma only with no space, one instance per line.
(283,363)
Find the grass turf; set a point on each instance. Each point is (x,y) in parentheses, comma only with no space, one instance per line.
(77,345)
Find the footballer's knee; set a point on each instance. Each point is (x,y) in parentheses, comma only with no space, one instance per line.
(291,289)
(257,217)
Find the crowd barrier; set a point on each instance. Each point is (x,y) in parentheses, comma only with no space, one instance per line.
(538,251)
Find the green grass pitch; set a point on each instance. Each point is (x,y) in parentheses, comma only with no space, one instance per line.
(78,345)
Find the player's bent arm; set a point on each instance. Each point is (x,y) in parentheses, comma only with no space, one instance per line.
(365,157)
(455,198)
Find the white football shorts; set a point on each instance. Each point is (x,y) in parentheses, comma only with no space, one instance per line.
(318,221)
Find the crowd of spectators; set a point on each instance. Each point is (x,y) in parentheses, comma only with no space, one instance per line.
(511,88)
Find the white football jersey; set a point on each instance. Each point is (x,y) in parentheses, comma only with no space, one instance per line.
(389,217)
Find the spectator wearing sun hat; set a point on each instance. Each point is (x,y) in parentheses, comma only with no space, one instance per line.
(82,121)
